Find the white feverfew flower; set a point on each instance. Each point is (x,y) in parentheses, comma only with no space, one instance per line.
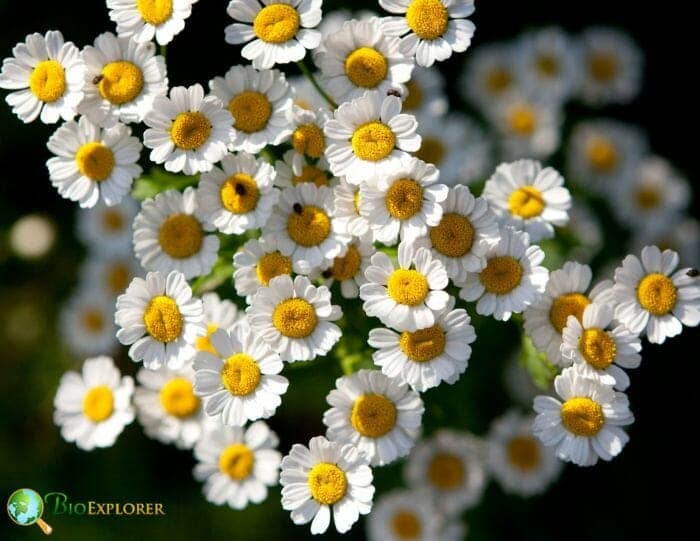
(402,515)
(654,300)
(333,22)
(93,407)
(107,230)
(187,131)
(408,297)
(169,234)
(160,319)
(490,75)
(93,164)
(46,75)
(237,465)
(218,314)
(87,323)
(520,463)
(349,268)
(425,93)
(238,196)
(122,79)
(404,203)
(294,169)
(347,212)
(431,29)
(463,235)
(167,407)
(307,139)
(109,274)
(451,466)
(426,357)
(142,20)
(240,381)
(375,414)
(368,137)
(260,103)
(529,198)
(326,477)
(586,423)
(256,263)
(512,279)
(294,318)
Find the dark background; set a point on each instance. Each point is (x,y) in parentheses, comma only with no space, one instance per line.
(636,494)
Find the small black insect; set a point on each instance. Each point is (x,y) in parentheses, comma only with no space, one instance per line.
(97,79)
(327,273)
(393,92)
(693,273)
(240,189)
(298,208)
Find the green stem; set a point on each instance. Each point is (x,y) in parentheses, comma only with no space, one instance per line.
(310,76)
(163,51)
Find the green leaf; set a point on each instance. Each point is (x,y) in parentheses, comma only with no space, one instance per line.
(157,180)
(541,371)
(222,271)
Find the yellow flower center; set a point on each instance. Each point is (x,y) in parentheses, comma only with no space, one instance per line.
(373,415)
(453,236)
(251,111)
(424,344)
(526,202)
(498,79)
(432,150)
(310,227)
(414,98)
(407,287)
(237,461)
(163,319)
(327,483)
(501,275)
(405,525)
(569,304)
(373,141)
(347,266)
(203,343)
(98,403)
(602,67)
(311,173)
(276,23)
(239,193)
(240,374)
(95,161)
(598,348)
(427,18)
(547,65)
(180,236)
(155,12)
(522,120)
(295,318)
(657,294)
(48,81)
(582,416)
(648,197)
(93,321)
(178,399)
(190,130)
(366,67)
(404,198)
(523,453)
(308,139)
(602,154)
(446,471)
(112,220)
(121,82)
(271,265)
(117,278)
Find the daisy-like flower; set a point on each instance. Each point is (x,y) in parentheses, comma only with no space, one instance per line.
(368,136)
(256,263)
(218,314)
(654,300)
(451,466)
(517,459)
(349,268)
(304,228)
(167,407)
(279,31)
(403,515)
(425,93)
(109,274)
(260,103)
(408,297)
(377,415)
(306,96)
(565,295)
(490,75)
(528,197)
(463,235)
(585,424)
(431,29)
(160,319)
(107,230)
(87,323)
(594,342)
(612,67)
(237,465)
(187,131)
(142,20)
(46,75)
(239,196)
(169,234)
(360,57)
(512,278)
(294,169)
(347,209)
(426,357)
(122,78)
(93,408)
(93,164)
(294,318)
(326,476)
(403,203)
(240,382)
(307,139)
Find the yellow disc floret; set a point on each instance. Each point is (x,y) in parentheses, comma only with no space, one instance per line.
(120,82)
(309,227)
(582,416)
(407,286)
(427,18)
(446,471)
(569,304)
(327,483)
(180,236)
(547,65)
(239,193)
(523,453)
(312,174)
(178,399)
(648,197)
(93,320)
(347,266)
(526,202)
(657,294)
(237,461)
(250,110)
(95,161)
(117,278)
(405,525)
(271,265)
(522,120)
(414,97)
(203,343)
(163,319)
(432,150)
(295,318)
(190,130)
(373,415)
(155,12)
(373,141)
(423,345)
(112,220)
(501,275)
(602,154)
(453,236)
(276,23)
(98,403)
(602,67)
(404,198)
(308,139)
(598,348)
(366,67)
(497,80)
(48,81)
(240,374)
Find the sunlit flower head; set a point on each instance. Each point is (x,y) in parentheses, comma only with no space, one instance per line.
(142,20)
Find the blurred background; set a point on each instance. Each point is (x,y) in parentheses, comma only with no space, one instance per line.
(630,496)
